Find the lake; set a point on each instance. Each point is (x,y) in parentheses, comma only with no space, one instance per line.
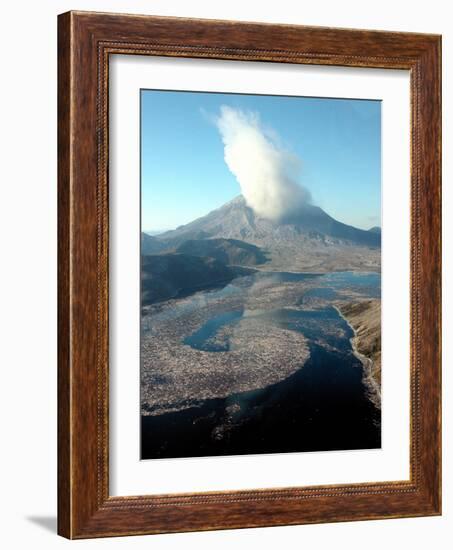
(321,406)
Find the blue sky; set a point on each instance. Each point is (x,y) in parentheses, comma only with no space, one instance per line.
(184,175)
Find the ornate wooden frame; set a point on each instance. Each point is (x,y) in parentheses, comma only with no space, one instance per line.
(85,41)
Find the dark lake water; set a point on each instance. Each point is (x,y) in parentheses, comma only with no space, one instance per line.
(322,406)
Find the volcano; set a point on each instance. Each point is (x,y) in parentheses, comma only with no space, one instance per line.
(308,240)
(235,220)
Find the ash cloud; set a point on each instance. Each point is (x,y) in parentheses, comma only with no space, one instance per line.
(267,173)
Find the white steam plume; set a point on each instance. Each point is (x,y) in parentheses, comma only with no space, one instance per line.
(266,172)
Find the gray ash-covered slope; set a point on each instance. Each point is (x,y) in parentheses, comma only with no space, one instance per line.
(166,276)
(309,240)
(235,220)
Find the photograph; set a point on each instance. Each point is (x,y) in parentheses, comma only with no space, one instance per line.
(231,226)
(260,274)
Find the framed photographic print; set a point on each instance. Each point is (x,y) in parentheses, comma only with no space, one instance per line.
(249,275)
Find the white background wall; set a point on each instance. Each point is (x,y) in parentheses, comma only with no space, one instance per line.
(28,125)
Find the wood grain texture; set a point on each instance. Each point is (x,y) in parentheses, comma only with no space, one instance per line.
(86,40)
(64,369)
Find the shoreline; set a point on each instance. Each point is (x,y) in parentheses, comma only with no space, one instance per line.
(261,269)
(373,388)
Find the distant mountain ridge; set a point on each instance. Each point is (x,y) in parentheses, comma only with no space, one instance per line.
(150,245)
(228,251)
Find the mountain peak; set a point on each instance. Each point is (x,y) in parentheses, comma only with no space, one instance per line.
(309,240)
(236,220)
